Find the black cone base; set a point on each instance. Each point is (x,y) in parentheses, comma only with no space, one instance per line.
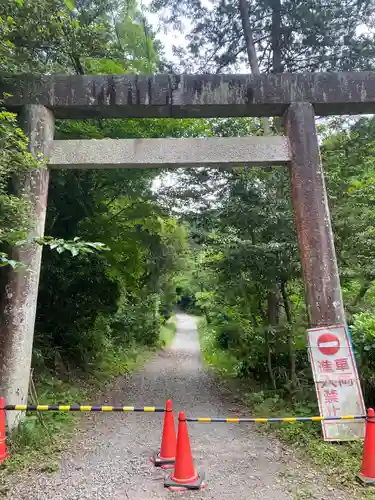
(161,462)
(174,486)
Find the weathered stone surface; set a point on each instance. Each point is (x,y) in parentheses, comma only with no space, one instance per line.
(314,232)
(192,95)
(19,301)
(149,153)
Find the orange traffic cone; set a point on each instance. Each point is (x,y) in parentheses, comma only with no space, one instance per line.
(165,458)
(367,474)
(184,476)
(3,443)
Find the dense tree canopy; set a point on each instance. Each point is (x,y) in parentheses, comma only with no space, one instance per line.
(288,35)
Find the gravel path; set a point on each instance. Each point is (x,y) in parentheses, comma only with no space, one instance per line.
(109,457)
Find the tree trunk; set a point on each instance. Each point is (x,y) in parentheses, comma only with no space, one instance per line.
(292,356)
(273,305)
(277,66)
(250,49)
(273,319)
(269,357)
(205,311)
(248,35)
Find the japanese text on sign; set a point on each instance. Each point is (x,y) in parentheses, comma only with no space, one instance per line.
(336,382)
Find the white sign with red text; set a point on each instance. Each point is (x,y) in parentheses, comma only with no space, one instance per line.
(336,381)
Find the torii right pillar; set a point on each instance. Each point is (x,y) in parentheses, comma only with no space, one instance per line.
(313,221)
(320,271)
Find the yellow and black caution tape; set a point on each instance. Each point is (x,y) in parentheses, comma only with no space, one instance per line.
(73,407)
(209,420)
(155,409)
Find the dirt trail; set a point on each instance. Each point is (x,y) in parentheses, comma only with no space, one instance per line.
(109,458)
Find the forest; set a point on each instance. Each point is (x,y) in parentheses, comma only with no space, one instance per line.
(124,248)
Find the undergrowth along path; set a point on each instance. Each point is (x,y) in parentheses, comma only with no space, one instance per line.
(109,457)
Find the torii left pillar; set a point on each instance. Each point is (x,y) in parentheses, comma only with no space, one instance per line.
(19,300)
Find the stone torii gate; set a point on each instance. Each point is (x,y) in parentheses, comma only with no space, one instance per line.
(296,97)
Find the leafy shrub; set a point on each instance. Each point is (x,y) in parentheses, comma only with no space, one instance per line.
(363,337)
(229,335)
(73,293)
(235,335)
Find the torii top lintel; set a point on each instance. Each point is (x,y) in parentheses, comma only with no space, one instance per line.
(180,96)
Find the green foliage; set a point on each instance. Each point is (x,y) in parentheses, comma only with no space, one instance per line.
(348,158)
(14,160)
(135,40)
(129,286)
(75,246)
(246,349)
(6,261)
(167,332)
(363,337)
(52,35)
(79,36)
(219,359)
(41,436)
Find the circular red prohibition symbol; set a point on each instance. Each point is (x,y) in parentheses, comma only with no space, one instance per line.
(328,343)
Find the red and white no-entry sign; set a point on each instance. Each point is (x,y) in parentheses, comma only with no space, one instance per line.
(328,343)
(336,382)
